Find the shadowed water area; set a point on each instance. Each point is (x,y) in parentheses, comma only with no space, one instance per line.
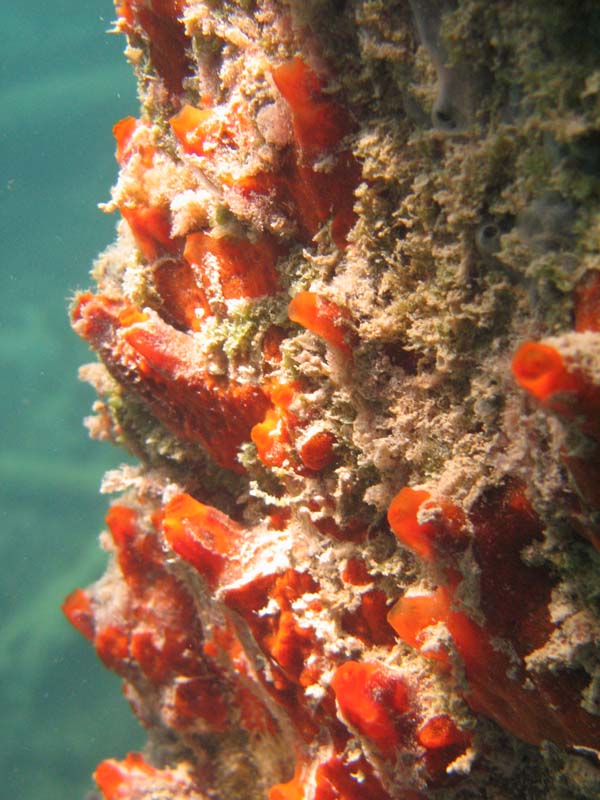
(63,83)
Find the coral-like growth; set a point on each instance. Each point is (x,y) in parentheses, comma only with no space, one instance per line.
(534,705)
(134,777)
(167,370)
(359,557)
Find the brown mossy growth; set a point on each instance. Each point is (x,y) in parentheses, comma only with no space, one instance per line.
(360,555)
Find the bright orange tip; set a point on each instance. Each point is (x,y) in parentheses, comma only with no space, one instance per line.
(319,122)
(110,778)
(323,318)
(77,608)
(371,699)
(402,518)
(191,127)
(125,12)
(201,535)
(151,229)
(123,131)
(241,268)
(292,790)
(271,439)
(411,616)
(539,369)
(441,731)
(131,316)
(115,779)
(282,394)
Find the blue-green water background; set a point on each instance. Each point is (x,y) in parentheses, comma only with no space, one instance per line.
(63,83)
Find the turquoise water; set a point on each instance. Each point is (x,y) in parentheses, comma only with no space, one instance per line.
(63,83)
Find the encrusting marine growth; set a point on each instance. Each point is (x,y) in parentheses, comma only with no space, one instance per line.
(350,327)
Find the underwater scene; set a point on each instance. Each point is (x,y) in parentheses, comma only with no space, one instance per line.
(62,82)
(338,339)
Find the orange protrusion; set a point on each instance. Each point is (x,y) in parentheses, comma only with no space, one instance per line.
(292,790)
(123,131)
(282,394)
(540,370)
(322,317)
(110,779)
(315,196)
(402,517)
(441,731)
(193,127)
(495,688)
(319,122)
(116,778)
(587,303)
(291,644)
(411,616)
(374,701)
(122,523)
(155,357)
(272,436)
(131,316)
(319,196)
(184,303)
(444,742)
(81,305)
(317,451)
(134,777)
(283,640)
(77,608)
(151,228)
(272,439)
(311,196)
(124,11)
(261,185)
(166,370)
(571,391)
(244,269)
(137,553)
(200,534)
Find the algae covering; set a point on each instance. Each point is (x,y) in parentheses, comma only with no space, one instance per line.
(351,329)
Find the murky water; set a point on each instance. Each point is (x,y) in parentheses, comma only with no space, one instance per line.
(63,82)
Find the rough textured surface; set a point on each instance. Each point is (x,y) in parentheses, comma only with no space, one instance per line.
(351,329)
